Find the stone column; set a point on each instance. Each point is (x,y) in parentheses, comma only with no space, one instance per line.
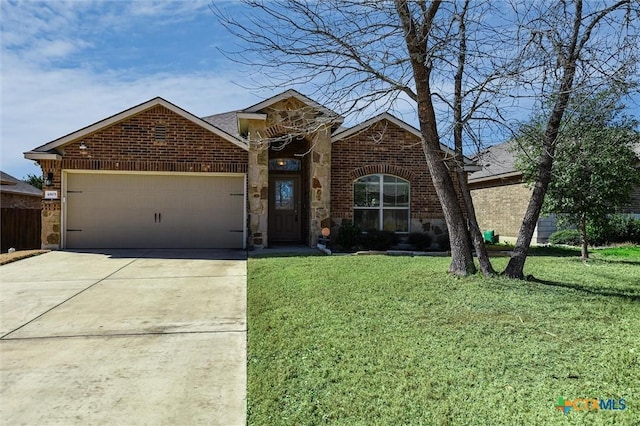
(320,176)
(51,234)
(258,193)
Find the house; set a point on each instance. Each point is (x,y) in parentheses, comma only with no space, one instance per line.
(17,194)
(155,175)
(500,196)
(21,204)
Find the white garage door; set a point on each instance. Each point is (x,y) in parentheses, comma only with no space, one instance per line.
(154,211)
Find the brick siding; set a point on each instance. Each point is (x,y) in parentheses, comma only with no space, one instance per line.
(19,201)
(131,145)
(383,148)
(501,208)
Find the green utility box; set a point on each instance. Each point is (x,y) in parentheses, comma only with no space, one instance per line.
(490,237)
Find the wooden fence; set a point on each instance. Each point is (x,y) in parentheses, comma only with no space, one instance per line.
(20,229)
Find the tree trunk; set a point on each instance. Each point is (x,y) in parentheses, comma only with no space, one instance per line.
(583,234)
(515,267)
(416,39)
(461,253)
(478,241)
(474,228)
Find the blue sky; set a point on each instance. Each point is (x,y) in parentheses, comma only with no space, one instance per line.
(67,64)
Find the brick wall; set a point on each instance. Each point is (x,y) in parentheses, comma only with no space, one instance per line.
(18,201)
(132,145)
(383,148)
(500,205)
(501,208)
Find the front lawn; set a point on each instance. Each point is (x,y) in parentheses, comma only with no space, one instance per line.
(395,340)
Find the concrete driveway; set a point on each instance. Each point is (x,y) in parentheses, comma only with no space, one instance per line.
(124,337)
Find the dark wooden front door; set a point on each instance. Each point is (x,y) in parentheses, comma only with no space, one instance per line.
(284,208)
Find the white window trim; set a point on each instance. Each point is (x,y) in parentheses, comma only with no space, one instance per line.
(381,208)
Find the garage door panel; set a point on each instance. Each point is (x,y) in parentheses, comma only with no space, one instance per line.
(154,211)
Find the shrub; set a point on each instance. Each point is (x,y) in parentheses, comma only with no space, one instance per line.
(348,235)
(597,232)
(570,237)
(624,229)
(443,242)
(420,240)
(614,229)
(378,240)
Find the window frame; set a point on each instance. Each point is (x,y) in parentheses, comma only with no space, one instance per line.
(381,207)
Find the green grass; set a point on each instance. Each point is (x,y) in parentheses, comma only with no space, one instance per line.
(628,251)
(394,340)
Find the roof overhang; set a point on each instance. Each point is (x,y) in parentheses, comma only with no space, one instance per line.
(243,118)
(495,177)
(34,155)
(251,116)
(8,190)
(470,168)
(47,148)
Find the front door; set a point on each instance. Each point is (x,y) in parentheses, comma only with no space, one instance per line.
(284,208)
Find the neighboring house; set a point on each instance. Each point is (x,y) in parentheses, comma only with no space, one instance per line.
(500,196)
(20,215)
(155,175)
(18,194)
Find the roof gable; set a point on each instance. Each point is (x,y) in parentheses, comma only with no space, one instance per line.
(48,148)
(298,96)
(347,133)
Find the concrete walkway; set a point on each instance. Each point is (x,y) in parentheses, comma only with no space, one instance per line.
(124,337)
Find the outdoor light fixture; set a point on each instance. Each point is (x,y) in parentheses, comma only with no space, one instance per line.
(48,181)
(82,145)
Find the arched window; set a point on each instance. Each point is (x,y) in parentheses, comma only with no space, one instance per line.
(381,202)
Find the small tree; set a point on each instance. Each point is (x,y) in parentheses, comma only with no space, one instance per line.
(594,165)
(571,46)
(33,180)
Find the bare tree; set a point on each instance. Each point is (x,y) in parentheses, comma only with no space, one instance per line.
(572,46)
(365,55)
(421,39)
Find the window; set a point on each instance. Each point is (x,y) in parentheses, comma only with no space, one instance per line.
(381,202)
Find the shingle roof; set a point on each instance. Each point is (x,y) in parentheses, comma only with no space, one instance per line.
(227,121)
(496,161)
(500,160)
(9,184)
